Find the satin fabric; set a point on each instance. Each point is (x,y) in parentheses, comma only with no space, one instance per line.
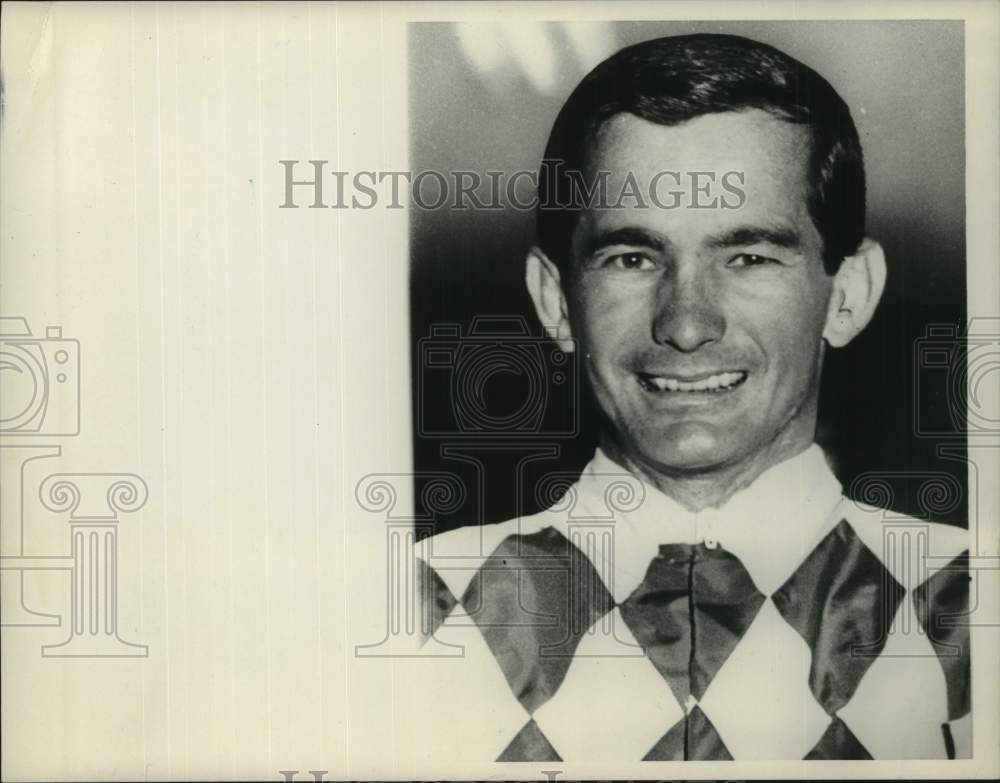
(537,594)
(529,745)
(533,599)
(838,744)
(841,600)
(436,600)
(689,612)
(691,739)
(942,608)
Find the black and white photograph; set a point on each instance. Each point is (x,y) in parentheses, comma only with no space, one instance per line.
(517,391)
(694,306)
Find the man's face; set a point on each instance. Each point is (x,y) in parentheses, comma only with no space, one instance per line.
(701,328)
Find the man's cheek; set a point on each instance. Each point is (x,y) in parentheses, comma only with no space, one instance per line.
(795,327)
(609,326)
(795,353)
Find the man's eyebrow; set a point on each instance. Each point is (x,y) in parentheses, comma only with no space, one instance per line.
(629,235)
(779,236)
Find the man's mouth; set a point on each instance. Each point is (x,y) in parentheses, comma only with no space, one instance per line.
(715,382)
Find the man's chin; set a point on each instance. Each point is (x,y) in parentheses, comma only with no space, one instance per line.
(687,448)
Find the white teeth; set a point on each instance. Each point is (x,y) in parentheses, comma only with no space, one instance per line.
(724,380)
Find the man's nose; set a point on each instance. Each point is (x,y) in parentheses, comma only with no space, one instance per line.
(688,314)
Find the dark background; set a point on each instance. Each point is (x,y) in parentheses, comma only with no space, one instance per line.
(484,98)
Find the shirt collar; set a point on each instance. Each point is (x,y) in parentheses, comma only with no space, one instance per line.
(771,525)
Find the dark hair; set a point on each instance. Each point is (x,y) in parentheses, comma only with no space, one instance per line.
(670,80)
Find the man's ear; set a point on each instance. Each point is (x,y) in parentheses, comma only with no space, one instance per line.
(545,287)
(857,288)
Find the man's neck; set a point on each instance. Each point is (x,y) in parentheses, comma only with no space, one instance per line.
(711,487)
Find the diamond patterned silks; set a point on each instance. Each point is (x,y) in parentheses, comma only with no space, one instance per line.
(760,701)
(529,745)
(613,704)
(543,595)
(841,600)
(838,744)
(689,612)
(686,587)
(942,604)
(597,680)
(436,600)
(899,706)
(693,739)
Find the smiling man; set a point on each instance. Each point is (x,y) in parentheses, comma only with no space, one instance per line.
(704,328)
(741,607)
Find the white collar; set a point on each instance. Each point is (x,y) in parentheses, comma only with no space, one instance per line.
(771,525)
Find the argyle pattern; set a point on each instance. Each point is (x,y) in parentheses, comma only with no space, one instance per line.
(696,645)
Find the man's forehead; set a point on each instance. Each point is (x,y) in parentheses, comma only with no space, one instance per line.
(710,176)
(746,140)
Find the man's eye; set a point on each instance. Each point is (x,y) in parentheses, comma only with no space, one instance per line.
(752,259)
(632,261)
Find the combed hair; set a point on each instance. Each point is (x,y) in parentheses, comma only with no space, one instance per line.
(674,79)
